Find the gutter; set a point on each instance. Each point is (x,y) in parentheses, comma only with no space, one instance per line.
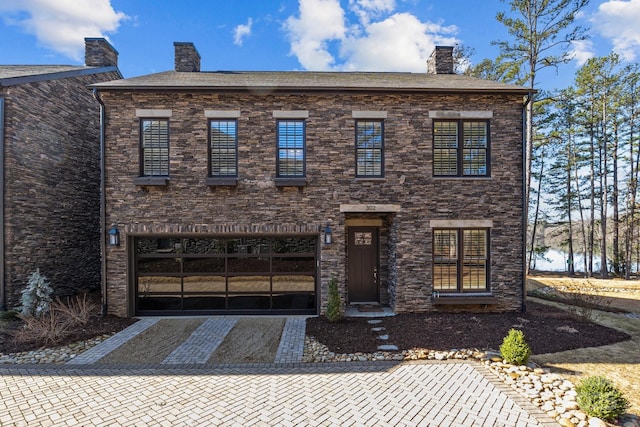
(3,301)
(103,205)
(525,202)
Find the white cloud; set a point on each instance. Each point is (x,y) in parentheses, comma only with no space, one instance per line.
(62,25)
(582,51)
(618,21)
(322,38)
(242,31)
(320,22)
(366,10)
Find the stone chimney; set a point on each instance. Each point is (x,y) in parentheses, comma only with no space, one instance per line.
(441,61)
(187,57)
(98,52)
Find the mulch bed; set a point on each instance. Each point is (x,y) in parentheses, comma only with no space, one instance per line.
(13,340)
(545,328)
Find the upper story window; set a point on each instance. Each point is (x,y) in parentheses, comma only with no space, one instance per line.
(223,148)
(369,148)
(291,156)
(154,147)
(460,260)
(461,148)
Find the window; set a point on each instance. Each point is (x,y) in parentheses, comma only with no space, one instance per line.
(154,135)
(291,155)
(223,148)
(460,148)
(369,148)
(460,260)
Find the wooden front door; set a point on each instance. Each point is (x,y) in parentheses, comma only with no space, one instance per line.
(363,262)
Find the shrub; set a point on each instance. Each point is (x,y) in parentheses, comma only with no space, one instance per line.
(61,320)
(36,297)
(334,306)
(514,348)
(598,397)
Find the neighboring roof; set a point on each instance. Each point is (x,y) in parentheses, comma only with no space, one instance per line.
(19,74)
(309,81)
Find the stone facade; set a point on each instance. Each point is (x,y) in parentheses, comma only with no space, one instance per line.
(52,180)
(186,205)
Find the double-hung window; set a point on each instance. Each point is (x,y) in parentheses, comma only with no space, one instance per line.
(460,260)
(461,148)
(154,147)
(369,148)
(223,148)
(291,154)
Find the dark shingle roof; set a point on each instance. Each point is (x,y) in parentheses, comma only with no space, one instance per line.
(309,80)
(18,74)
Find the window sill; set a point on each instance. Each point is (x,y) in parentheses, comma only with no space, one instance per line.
(290,182)
(158,181)
(370,178)
(463,178)
(464,299)
(222,182)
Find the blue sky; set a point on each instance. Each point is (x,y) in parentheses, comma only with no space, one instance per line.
(378,35)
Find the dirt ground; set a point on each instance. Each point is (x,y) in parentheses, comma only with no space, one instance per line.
(619,362)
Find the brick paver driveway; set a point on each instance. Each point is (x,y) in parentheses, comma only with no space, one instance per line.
(356,394)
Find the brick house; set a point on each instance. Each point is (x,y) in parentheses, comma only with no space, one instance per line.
(50,160)
(247,192)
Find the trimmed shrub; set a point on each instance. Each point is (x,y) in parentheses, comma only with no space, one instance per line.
(36,297)
(598,397)
(514,348)
(334,305)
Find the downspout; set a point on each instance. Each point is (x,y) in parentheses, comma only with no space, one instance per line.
(3,300)
(103,205)
(525,202)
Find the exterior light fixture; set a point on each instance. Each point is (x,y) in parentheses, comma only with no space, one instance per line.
(114,236)
(327,235)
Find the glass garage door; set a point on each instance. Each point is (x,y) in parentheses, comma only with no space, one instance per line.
(178,275)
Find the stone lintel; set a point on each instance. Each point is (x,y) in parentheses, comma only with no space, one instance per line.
(370,207)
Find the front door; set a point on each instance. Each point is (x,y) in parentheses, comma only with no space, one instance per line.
(363,264)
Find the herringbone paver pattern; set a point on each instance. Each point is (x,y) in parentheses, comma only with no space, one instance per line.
(368,394)
(291,346)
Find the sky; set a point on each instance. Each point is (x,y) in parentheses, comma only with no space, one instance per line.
(279,35)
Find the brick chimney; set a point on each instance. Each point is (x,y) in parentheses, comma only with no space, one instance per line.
(187,57)
(98,52)
(441,61)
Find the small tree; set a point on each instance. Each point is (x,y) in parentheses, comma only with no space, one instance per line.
(36,297)
(514,348)
(334,305)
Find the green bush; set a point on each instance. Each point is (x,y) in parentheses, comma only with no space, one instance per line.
(36,296)
(598,397)
(334,305)
(514,348)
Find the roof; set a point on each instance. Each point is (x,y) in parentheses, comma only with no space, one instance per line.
(309,81)
(19,74)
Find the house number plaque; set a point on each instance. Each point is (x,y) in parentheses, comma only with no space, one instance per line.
(363,238)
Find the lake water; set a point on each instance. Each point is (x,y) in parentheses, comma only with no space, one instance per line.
(556,260)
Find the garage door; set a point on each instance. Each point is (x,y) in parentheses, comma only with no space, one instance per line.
(257,275)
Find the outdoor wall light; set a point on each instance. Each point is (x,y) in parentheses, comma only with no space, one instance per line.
(114,236)
(327,235)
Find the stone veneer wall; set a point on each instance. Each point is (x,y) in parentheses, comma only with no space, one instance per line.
(52,184)
(256,205)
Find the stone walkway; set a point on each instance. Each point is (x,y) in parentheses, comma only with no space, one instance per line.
(184,390)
